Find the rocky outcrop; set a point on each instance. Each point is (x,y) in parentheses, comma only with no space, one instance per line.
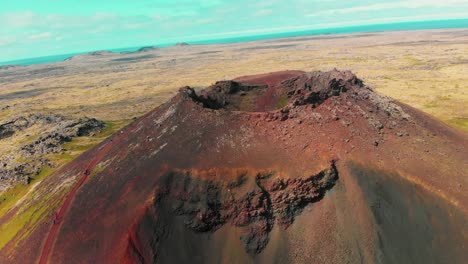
(63,127)
(53,131)
(64,132)
(207,205)
(9,128)
(287,98)
(315,87)
(222,94)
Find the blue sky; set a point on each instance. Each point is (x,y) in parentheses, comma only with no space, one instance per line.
(33,28)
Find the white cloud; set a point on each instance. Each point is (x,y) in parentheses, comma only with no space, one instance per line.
(318,26)
(263,12)
(18,20)
(39,36)
(6,41)
(413,4)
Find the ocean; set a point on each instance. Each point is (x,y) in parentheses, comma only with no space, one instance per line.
(419,25)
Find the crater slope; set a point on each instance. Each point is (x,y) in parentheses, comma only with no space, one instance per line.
(284,167)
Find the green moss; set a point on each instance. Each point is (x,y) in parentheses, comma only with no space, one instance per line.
(9,230)
(5,114)
(30,215)
(411,60)
(98,169)
(431,104)
(459,122)
(439,99)
(10,197)
(74,149)
(79,145)
(282,102)
(444,98)
(40,213)
(246,104)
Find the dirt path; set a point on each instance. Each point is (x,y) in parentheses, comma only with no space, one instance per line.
(66,204)
(52,235)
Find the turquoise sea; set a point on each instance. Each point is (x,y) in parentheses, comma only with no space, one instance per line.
(419,25)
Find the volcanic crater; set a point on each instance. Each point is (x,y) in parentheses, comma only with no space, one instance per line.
(284,167)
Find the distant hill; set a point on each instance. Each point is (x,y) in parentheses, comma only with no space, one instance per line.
(147,48)
(93,53)
(181,44)
(141,50)
(10,66)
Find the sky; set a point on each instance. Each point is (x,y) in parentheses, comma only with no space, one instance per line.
(34,28)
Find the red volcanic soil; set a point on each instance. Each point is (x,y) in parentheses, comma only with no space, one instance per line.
(285,167)
(51,235)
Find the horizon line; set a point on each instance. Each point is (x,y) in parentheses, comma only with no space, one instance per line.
(266,35)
